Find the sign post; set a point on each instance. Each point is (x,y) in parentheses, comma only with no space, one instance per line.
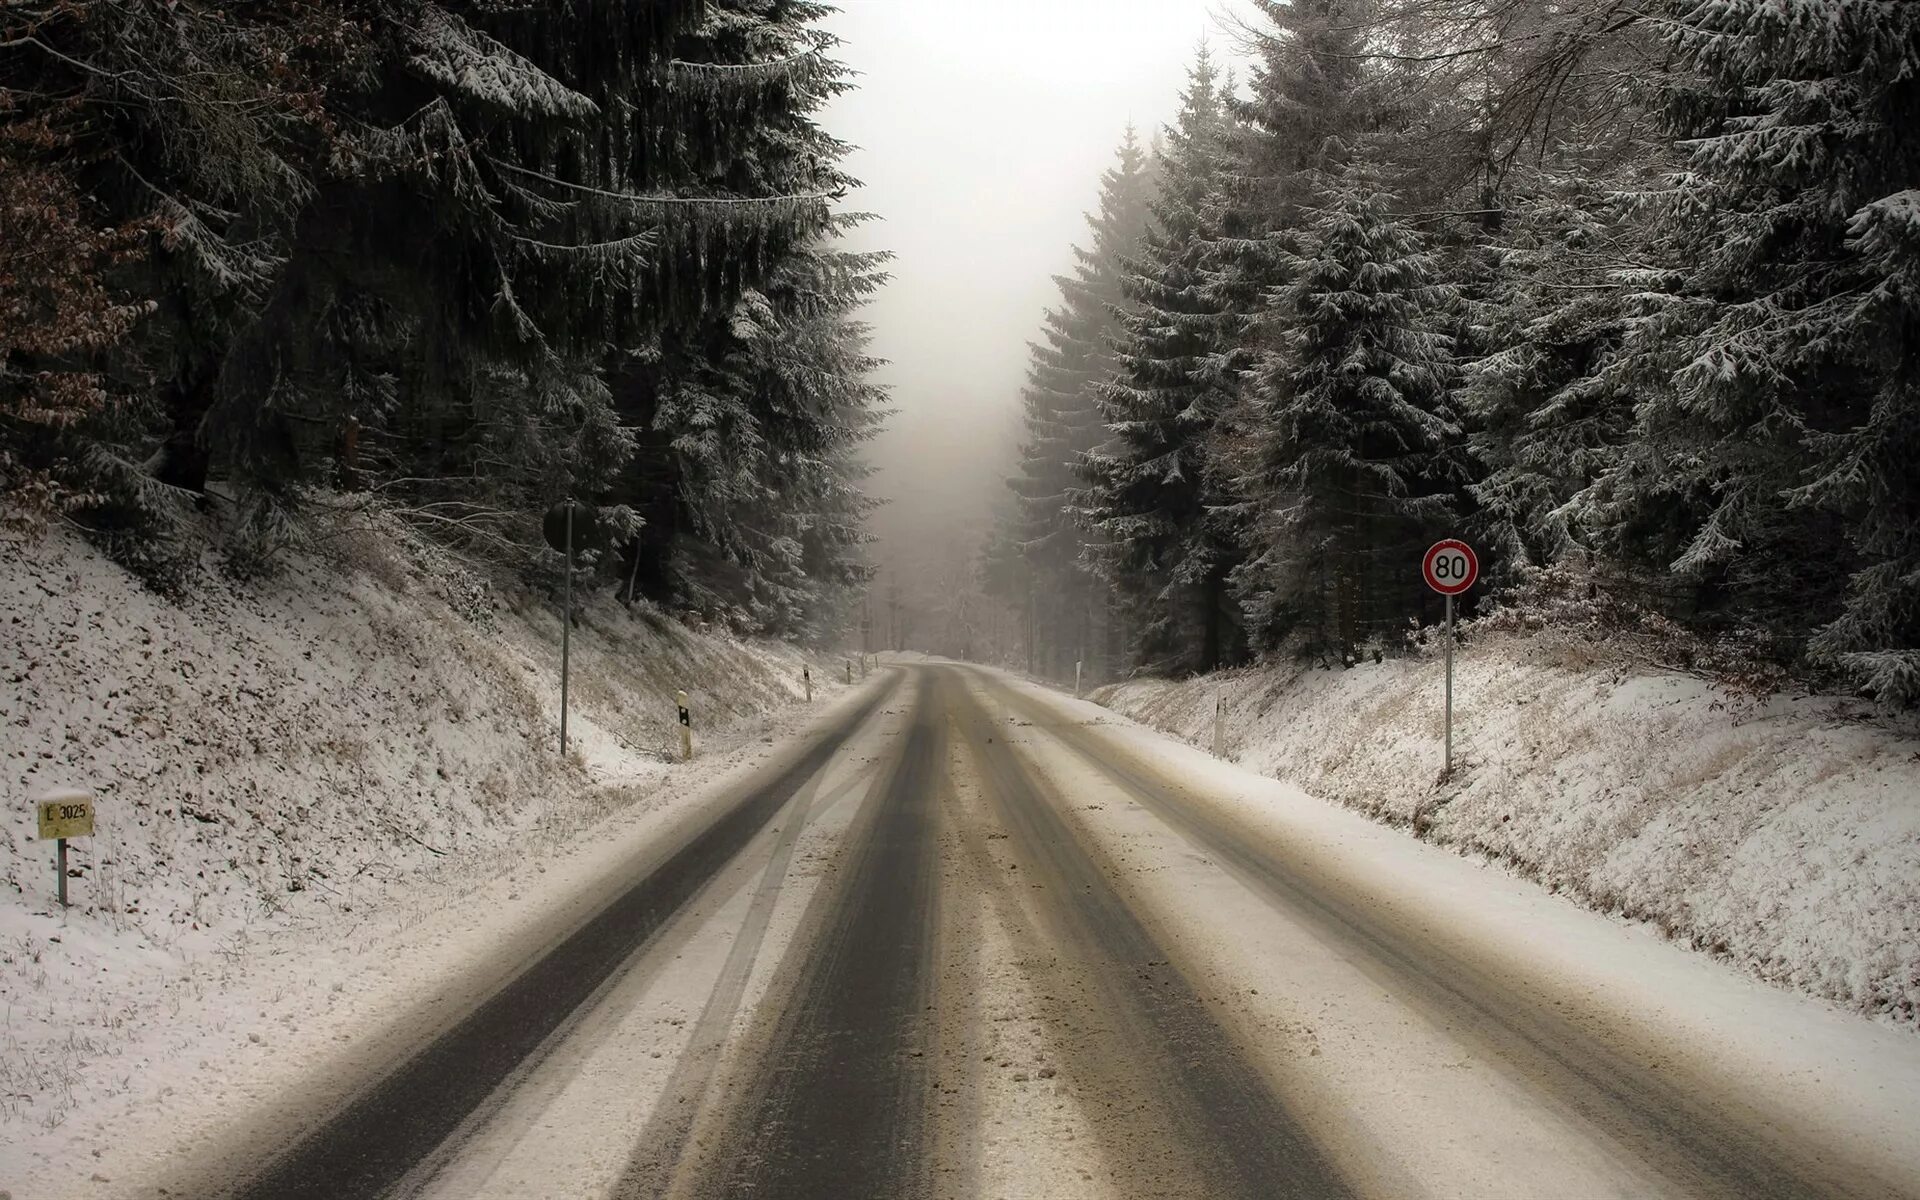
(557,526)
(566,637)
(686,726)
(66,813)
(1450,568)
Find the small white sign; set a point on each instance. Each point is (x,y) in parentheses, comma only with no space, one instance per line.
(67,813)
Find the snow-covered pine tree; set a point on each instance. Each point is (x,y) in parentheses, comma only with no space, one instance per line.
(1311,102)
(400,241)
(1315,102)
(1506,128)
(1544,419)
(1778,344)
(1305,110)
(1153,495)
(775,542)
(1063,423)
(710,396)
(295,159)
(648,215)
(1548,131)
(1352,415)
(1002,575)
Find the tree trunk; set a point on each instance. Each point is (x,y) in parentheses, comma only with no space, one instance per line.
(1211,594)
(183,460)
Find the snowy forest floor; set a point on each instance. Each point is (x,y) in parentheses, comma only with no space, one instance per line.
(290,772)
(1781,831)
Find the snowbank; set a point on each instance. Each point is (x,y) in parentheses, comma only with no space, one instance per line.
(287,752)
(1781,831)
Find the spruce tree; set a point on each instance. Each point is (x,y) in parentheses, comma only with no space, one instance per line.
(1776,342)
(464,259)
(1313,107)
(1062,418)
(1311,103)
(773,380)
(1003,575)
(205,129)
(1352,415)
(1544,418)
(1154,495)
(772,517)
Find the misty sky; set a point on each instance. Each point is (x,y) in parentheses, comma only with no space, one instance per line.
(984,126)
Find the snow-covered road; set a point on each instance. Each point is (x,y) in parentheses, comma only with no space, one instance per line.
(972,938)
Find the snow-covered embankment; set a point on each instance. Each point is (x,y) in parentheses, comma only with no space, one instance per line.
(373,725)
(1781,831)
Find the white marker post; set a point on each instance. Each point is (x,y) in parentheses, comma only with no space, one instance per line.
(65,813)
(1076,678)
(849,663)
(1219,724)
(686,726)
(1450,568)
(806,677)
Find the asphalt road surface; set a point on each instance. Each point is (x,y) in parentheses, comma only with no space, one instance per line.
(947,947)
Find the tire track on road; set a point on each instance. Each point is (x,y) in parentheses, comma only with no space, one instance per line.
(1702,1150)
(840,1105)
(1240,1137)
(658,1150)
(1113,1086)
(372,1142)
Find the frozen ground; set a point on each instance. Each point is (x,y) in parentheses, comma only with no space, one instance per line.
(290,776)
(1782,831)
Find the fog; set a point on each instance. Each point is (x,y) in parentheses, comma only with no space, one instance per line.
(983,127)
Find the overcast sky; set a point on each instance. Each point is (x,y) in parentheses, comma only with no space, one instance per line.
(983,127)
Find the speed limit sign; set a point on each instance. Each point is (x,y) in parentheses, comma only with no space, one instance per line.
(1450,567)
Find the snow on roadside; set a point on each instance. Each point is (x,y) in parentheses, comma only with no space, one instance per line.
(1398,1078)
(285,761)
(1782,831)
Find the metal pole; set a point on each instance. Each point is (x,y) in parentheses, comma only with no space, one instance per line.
(1029,622)
(1086,625)
(566,635)
(1448,770)
(60,868)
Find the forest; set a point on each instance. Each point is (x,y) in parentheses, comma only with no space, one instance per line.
(455,262)
(1624,292)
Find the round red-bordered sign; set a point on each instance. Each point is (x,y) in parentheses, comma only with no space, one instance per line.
(1450,567)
